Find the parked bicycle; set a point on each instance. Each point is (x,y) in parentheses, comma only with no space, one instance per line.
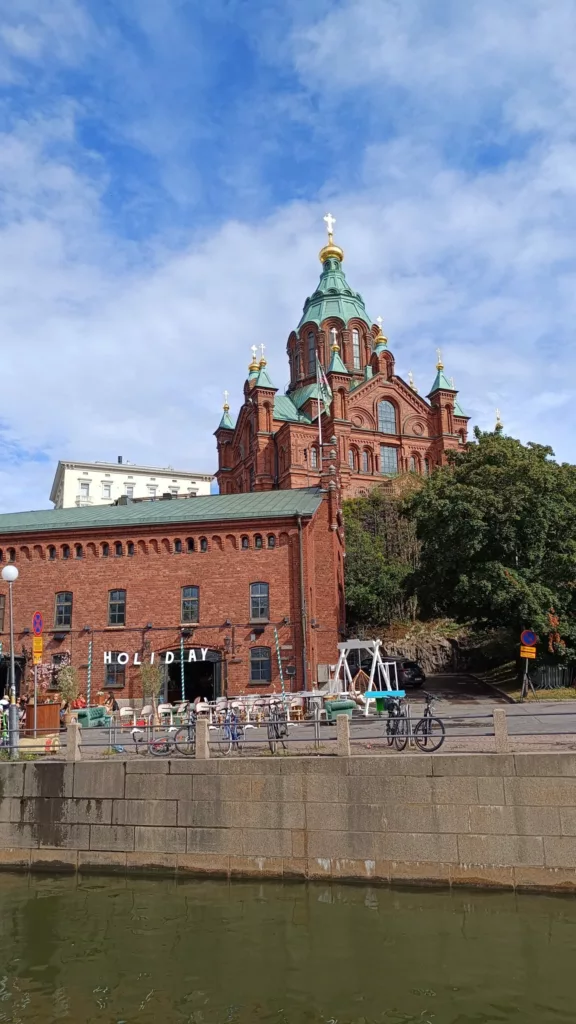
(277,726)
(231,733)
(397,726)
(180,740)
(429,733)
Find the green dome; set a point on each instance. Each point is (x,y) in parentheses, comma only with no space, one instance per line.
(334,297)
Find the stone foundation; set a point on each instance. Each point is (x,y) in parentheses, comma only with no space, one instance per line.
(499,820)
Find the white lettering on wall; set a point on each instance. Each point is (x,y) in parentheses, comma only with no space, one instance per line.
(169,657)
(137,659)
(204,653)
(107,657)
(192,655)
(123,658)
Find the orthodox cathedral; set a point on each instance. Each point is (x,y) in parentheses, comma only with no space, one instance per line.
(345,404)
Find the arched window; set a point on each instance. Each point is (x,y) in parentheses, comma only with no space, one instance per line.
(244,543)
(365,462)
(65,551)
(177,546)
(118,549)
(130,548)
(356,363)
(258,540)
(11,554)
(314,458)
(311,352)
(63,610)
(51,553)
(203,544)
(78,551)
(351,458)
(105,550)
(412,465)
(388,460)
(259,602)
(1,555)
(189,544)
(298,364)
(386,418)
(271,540)
(426,467)
(260,665)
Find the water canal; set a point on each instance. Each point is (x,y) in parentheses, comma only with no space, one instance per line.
(208,952)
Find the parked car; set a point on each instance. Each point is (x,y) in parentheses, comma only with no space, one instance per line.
(410,674)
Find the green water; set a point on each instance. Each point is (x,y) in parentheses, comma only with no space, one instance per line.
(209,952)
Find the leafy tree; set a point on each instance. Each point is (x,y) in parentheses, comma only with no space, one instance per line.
(498,533)
(381,555)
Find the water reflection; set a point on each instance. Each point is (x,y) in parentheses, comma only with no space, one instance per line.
(207,952)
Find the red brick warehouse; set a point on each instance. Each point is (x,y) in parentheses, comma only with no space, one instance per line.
(213,577)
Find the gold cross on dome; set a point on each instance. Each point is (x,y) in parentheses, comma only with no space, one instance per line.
(330,222)
(439,364)
(226,395)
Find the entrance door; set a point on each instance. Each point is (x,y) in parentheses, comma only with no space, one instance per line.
(202,678)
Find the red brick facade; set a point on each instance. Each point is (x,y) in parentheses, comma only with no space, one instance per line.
(380,422)
(152,566)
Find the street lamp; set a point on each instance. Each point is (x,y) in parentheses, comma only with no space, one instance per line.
(9,575)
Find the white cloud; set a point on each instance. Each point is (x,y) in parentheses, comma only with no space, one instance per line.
(114,346)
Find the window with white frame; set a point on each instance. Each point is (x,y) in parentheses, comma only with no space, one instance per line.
(84,488)
(106,489)
(129,490)
(356,349)
(152,490)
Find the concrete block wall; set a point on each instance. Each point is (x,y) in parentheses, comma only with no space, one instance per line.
(506,820)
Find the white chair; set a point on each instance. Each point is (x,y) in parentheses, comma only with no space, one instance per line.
(127,717)
(166,712)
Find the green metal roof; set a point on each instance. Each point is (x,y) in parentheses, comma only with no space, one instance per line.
(458,410)
(442,383)
(263,380)
(284,409)
(226,423)
(211,508)
(336,364)
(334,297)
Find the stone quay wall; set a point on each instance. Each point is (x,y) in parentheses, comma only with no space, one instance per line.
(504,820)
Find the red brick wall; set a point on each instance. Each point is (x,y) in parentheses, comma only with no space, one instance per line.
(153,579)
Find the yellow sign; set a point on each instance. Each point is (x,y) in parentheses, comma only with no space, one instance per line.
(37,645)
(527,652)
(36,658)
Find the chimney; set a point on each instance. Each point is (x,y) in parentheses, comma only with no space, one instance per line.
(119,460)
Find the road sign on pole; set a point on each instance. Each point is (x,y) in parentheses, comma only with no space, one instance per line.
(37,623)
(37,650)
(528,638)
(527,652)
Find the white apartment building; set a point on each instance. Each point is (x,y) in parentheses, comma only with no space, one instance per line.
(101,483)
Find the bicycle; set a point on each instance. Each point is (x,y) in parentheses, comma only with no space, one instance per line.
(277,726)
(232,734)
(429,733)
(181,740)
(397,731)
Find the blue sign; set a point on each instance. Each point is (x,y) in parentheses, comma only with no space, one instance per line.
(37,623)
(528,638)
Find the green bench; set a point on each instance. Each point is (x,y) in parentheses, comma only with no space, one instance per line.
(94,717)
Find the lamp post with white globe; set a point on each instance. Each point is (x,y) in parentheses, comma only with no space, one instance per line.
(9,575)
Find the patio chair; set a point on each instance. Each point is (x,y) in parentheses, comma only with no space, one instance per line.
(166,714)
(127,717)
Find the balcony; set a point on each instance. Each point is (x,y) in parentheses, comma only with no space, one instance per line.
(83,499)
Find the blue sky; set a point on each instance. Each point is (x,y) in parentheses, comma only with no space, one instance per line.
(164,169)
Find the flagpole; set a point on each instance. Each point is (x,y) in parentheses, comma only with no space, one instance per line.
(319,387)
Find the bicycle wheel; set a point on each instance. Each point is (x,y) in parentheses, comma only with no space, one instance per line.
(391,730)
(185,740)
(160,747)
(224,741)
(272,737)
(401,733)
(238,741)
(429,734)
